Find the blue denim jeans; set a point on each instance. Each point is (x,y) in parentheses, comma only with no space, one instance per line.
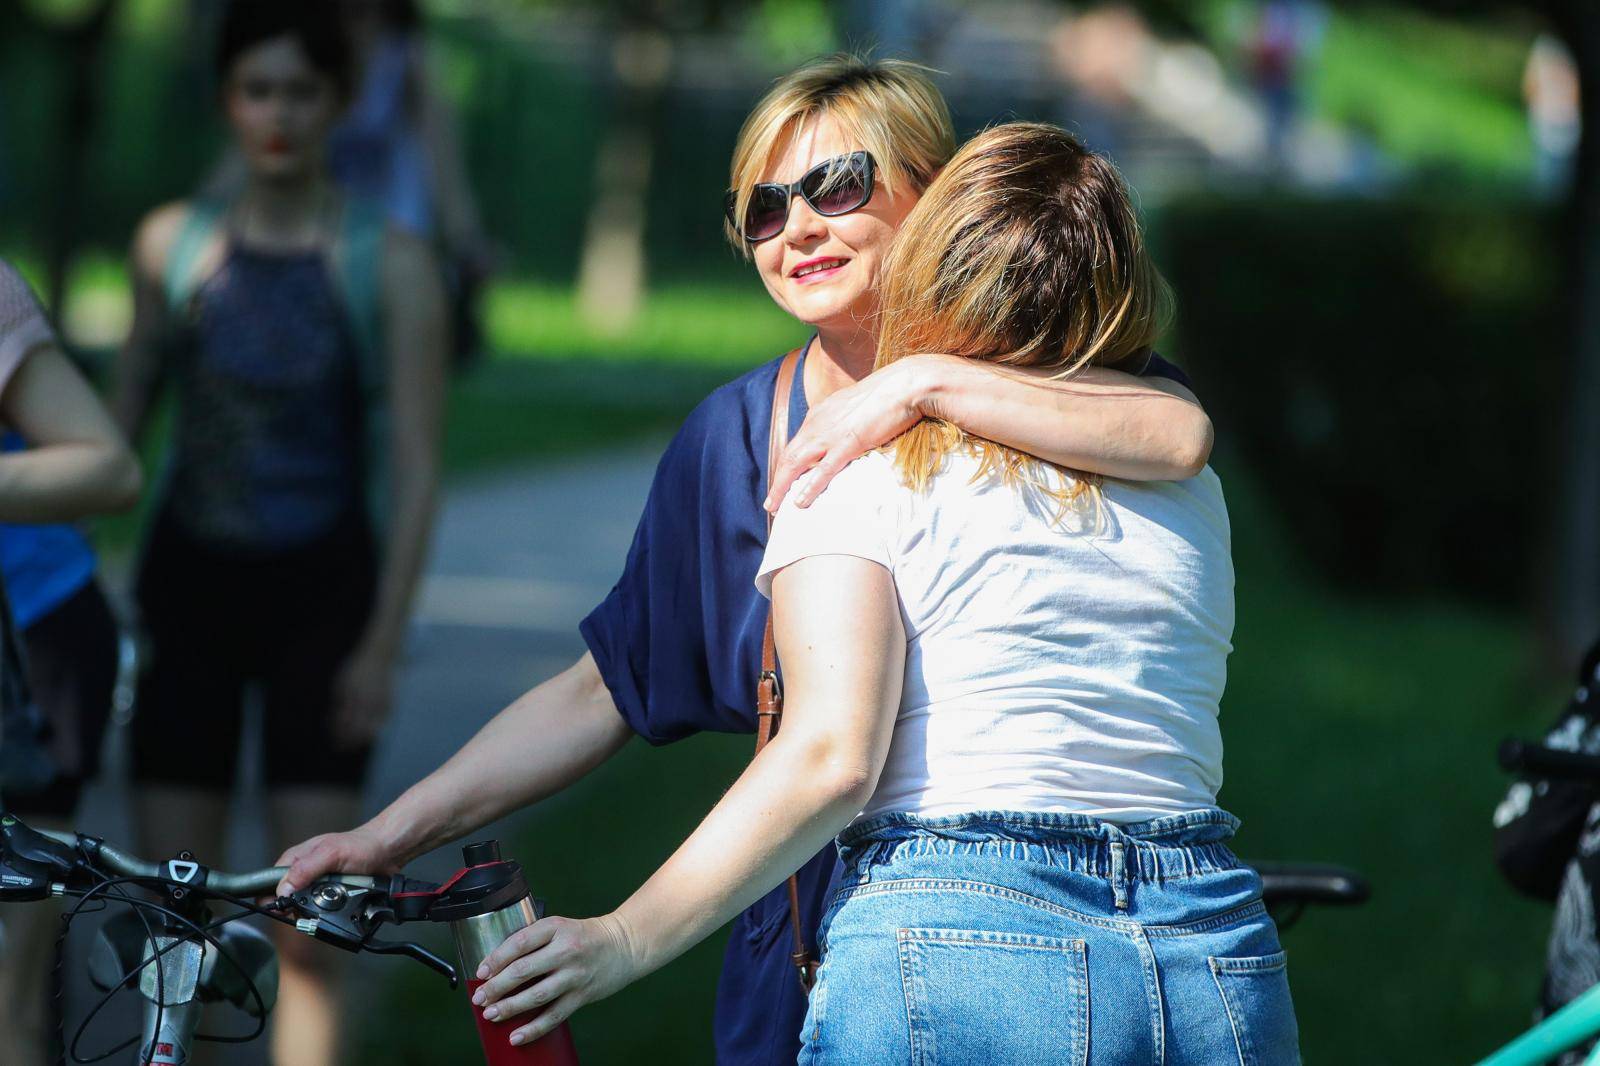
(997,938)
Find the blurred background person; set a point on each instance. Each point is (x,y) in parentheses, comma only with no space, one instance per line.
(51,728)
(305,338)
(1285,34)
(1101,54)
(397,146)
(1550,90)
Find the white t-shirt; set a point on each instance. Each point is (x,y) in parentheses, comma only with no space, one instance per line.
(1049,667)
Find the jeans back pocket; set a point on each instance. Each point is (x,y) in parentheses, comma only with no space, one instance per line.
(996,998)
(1255,993)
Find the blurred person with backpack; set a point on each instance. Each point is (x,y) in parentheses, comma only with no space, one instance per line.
(63,459)
(396,145)
(305,338)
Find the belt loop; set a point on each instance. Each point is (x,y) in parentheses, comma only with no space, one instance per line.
(1119,874)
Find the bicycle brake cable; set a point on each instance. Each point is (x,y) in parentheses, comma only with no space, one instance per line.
(103,889)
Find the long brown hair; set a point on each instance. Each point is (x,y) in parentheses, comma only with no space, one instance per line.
(1025,251)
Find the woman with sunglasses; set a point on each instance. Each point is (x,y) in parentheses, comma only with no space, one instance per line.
(826,169)
(1002,684)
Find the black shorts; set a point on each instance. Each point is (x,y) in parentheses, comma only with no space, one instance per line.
(71,659)
(217,623)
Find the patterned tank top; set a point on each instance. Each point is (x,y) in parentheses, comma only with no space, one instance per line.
(268,436)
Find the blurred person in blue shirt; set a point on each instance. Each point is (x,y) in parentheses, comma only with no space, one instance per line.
(58,649)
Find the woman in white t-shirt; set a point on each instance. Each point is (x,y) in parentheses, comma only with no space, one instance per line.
(1002,683)
(1039,873)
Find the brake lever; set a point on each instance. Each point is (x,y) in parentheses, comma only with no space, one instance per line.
(334,914)
(413,951)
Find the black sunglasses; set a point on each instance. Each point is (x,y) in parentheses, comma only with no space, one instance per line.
(833,187)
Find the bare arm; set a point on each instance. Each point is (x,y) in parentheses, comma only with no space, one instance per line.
(414,310)
(416,332)
(459,222)
(843,649)
(78,463)
(1100,421)
(544,741)
(138,371)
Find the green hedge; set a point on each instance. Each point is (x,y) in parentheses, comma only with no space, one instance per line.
(1392,371)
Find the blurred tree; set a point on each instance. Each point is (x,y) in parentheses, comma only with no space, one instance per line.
(611,267)
(77,30)
(1577,23)
(643,37)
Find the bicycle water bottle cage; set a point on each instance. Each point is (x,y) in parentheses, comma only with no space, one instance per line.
(487,883)
(30,862)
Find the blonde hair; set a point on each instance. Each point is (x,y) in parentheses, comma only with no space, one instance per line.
(1026,251)
(887,106)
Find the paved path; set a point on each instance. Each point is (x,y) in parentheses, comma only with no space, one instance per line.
(518,559)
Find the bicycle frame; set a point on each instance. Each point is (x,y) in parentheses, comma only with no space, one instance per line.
(1564,1030)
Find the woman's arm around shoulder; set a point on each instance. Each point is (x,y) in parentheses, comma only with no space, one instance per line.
(1101,421)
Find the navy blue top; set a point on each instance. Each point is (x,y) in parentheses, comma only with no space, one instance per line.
(267,452)
(678,642)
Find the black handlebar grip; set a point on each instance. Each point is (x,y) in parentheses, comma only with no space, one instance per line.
(1536,760)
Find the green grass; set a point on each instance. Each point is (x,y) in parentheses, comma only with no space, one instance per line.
(1441,93)
(1362,732)
(1434,92)
(695,325)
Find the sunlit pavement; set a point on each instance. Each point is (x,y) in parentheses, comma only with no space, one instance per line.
(519,558)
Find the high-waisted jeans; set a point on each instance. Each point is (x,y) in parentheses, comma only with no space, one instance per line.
(998,938)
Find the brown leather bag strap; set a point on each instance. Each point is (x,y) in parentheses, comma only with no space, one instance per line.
(769,691)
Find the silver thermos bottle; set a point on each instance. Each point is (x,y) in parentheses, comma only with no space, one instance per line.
(485,903)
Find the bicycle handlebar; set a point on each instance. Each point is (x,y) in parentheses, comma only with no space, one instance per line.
(173,907)
(1521,757)
(250,883)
